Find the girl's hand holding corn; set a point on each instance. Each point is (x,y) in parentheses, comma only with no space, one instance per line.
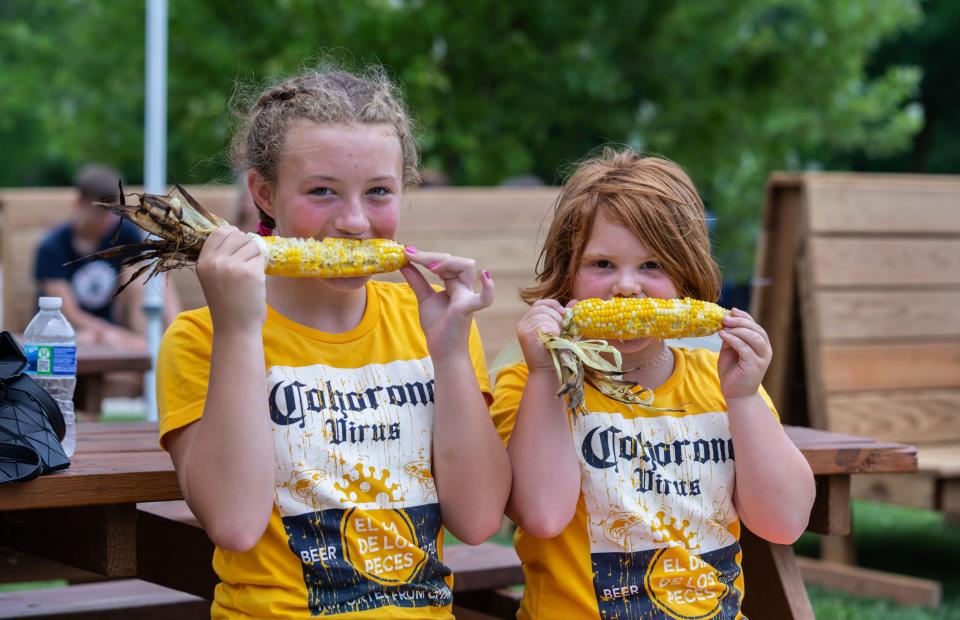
(744,356)
(544,316)
(445,315)
(231,272)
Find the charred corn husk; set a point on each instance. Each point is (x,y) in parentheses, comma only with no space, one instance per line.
(625,318)
(180,226)
(330,258)
(580,361)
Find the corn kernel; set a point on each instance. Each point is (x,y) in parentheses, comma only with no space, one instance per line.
(332,257)
(625,318)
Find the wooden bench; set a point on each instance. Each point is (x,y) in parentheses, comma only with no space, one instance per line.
(188,579)
(858,285)
(107,600)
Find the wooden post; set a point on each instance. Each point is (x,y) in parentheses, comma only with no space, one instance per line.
(784,600)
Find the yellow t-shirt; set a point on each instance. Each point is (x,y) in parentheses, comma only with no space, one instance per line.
(356,527)
(655,534)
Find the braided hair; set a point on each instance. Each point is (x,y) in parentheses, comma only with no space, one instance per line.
(331,96)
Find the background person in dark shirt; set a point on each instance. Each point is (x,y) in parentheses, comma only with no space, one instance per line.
(88,287)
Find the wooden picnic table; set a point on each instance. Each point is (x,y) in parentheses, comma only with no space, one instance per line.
(94,362)
(87,516)
(96,359)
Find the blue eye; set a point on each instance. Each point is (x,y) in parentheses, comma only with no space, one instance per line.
(321,191)
(379,191)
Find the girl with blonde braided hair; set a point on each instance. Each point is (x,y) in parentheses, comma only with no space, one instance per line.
(324,430)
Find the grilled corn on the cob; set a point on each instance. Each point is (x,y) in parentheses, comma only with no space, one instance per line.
(625,318)
(330,258)
(181,226)
(578,361)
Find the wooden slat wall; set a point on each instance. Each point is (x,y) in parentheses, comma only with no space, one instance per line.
(907,416)
(854,262)
(864,204)
(880,288)
(27,216)
(774,301)
(888,314)
(501,228)
(875,366)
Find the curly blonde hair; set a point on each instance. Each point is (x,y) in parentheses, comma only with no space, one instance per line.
(324,95)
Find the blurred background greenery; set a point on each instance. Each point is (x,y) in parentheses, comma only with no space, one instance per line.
(731,90)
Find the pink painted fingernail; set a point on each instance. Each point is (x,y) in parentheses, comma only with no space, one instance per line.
(432,266)
(410,249)
(486,274)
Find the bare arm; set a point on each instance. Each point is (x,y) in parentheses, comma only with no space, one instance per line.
(774,484)
(470,465)
(132,302)
(172,306)
(224,461)
(91,328)
(78,317)
(546,474)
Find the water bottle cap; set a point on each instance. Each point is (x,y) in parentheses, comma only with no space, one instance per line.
(51,303)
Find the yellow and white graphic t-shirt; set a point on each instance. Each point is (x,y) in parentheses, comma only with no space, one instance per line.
(355,531)
(655,534)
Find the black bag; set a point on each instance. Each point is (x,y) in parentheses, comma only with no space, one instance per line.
(31,425)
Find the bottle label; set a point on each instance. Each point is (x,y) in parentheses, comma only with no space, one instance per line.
(51,361)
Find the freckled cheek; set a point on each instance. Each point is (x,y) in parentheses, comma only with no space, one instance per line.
(305,222)
(659,286)
(587,285)
(384,222)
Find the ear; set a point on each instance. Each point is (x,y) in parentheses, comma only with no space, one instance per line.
(261,191)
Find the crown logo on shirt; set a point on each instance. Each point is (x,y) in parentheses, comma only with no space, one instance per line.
(671,534)
(365,487)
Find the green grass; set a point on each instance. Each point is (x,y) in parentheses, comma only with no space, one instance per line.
(32,585)
(899,540)
(122,417)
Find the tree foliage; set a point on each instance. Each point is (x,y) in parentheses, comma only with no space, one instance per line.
(731,90)
(934,46)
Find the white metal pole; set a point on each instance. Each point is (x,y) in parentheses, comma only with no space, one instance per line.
(155,172)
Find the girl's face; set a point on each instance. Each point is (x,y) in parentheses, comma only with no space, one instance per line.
(336,181)
(615,263)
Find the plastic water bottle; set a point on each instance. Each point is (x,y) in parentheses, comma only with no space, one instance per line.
(51,347)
